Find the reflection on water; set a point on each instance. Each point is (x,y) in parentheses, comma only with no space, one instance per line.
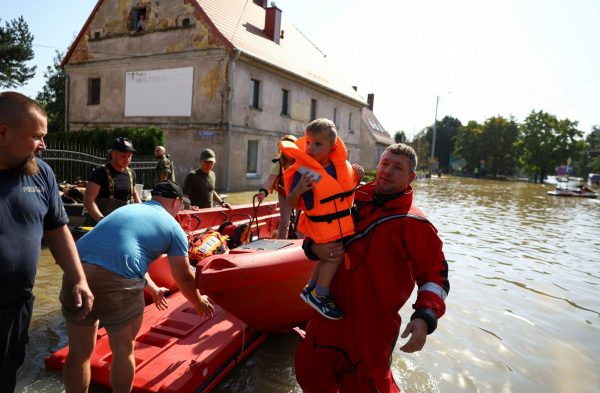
(523,313)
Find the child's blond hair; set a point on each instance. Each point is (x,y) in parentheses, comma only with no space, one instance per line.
(323,126)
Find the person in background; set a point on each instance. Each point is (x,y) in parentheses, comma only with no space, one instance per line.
(141,24)
(115,257)
(165,169)
(275,183)
(199,184)
(111,185)
(30,207)
(394,248)
(321,183)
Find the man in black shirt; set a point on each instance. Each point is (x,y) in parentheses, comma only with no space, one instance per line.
(111,185)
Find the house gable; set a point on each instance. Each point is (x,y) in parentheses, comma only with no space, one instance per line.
(170,27)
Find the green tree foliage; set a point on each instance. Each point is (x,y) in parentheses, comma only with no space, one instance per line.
(467,145)
(499,141)
(15,52)
(52,96)
(548,142)
(446,130)
(423,149)
(590,161)
(400,137)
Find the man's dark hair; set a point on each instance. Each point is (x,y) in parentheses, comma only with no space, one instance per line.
(15,107)
(404,150)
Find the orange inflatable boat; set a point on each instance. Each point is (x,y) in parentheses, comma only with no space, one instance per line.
(260,283)
(176,350)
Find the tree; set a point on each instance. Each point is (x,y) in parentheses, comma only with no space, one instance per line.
(499,141)
(467,145)
(421,146)
(52,96)
(400,137)
(15,51)
(549,142)
(590,161)
(446,130)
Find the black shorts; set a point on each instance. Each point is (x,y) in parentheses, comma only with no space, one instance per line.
(13,340)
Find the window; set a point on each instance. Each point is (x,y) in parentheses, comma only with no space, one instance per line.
(93,91)
(252,158)
(335,117)
(313,109)
(138,20)
(350,122)
(254,93)
(284,102)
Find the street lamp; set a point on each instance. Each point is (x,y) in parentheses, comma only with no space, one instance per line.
(437,100)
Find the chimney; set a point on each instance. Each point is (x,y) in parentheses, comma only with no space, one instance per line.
(273,23)
(370,100)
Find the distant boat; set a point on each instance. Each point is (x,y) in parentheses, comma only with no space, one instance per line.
(572,187)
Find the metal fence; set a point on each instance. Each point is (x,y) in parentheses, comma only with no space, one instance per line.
(72,162)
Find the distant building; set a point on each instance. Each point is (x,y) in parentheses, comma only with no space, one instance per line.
(229,74)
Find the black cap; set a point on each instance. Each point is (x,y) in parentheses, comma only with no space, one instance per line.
(169,189)
(122,144)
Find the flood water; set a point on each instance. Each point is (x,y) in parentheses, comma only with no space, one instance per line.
(523,314)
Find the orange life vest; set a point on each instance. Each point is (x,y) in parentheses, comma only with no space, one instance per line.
(330,218)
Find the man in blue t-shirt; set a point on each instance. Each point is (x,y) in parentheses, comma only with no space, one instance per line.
(115,256)
(30,206)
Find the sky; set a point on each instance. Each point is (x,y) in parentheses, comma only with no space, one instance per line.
(482,58)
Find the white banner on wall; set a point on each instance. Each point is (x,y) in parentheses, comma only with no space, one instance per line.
(165,92)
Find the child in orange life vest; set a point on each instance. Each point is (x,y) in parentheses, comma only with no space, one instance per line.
(321,183)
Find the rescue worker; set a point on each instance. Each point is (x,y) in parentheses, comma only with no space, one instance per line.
(111,185)
(275,183)
(394,248)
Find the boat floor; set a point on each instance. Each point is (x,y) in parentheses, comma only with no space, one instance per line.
(176,350)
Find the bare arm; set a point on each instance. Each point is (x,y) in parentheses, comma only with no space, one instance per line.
(136,197)
(217,198)
(266,186)
(65,254)
(157,293)
(89,200)
(182,273)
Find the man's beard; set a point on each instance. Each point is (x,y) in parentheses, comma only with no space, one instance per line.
(29,167)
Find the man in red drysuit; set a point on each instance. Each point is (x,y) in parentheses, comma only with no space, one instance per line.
(394,248)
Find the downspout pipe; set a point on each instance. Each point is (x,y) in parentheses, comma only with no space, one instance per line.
(230,98)
(66,102)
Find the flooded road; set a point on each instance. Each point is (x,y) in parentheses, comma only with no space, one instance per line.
(523,314)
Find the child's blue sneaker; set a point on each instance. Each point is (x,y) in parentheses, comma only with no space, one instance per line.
(306,292)
(324,305)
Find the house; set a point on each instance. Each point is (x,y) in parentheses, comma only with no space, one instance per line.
(373,137)
(229,74)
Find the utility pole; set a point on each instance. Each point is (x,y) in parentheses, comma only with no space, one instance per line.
(437,100)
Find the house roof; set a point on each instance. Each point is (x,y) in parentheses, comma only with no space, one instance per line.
(375,128)
(242,22)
